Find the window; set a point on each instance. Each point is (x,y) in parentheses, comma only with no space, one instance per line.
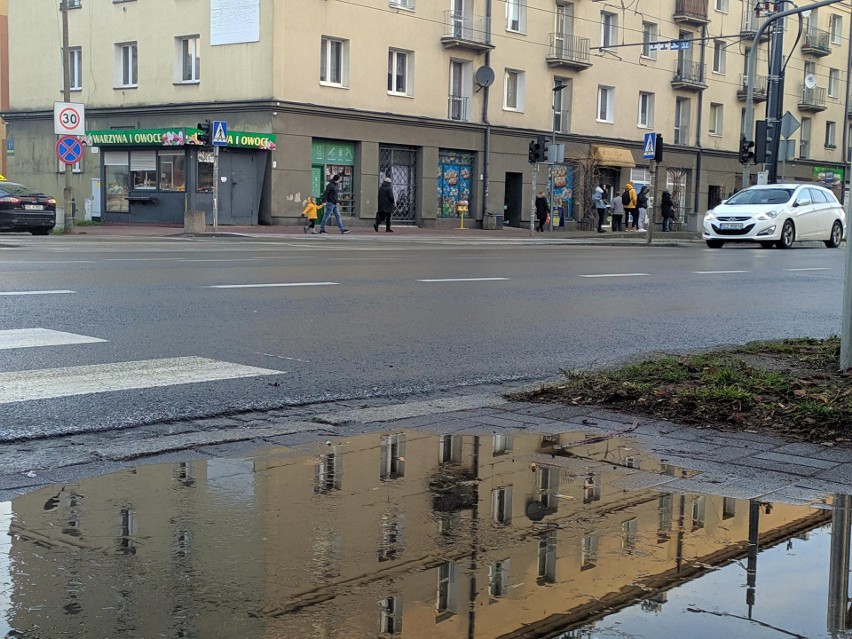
(334,62)
(699,506)
(729,507)
(390,624)
(172,170)
(392,540)
(498,578)
(447,588)
(449,449)
(205,172)
(830,135)
(716,114)
(399,72)
(143,170)
(126,65)
(718,56)
(547,557)
(649,35)
(188,60)
(681,121)
(606,104)
(591,490)
(392,456)
(516,15)
(502,444)
(834,83)
(513,94)
(501,505)
(665,517)
(805,139)
(71,4)
(609,29)
(629,535)
(721,6)
(461,83)
(75,68)
(402,4)
(562,89)
(646,110)
(835,27)
(589,553)
(327,473)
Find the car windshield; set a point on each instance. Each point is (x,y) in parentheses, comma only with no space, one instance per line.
(10,188)
(761,196)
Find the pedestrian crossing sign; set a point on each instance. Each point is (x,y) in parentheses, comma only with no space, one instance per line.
(220,133)
(648,148)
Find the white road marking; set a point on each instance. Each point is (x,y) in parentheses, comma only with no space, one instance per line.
(47,262)
(182,259)
(22,386)
(32,337)
(290,359)
(283,284)
(815,268)
(716,272)
(618,275)
(57,292)
(470,279)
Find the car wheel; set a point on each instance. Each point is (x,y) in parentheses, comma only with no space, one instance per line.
(767,244)
(715,243)
(836,235)
(788,235)
(40,231)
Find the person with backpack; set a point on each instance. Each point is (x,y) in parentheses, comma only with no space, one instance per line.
(628,199)
(642,205)
(667,209)
(599,199)
(330,199)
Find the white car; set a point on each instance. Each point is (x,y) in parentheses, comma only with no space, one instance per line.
(777,215)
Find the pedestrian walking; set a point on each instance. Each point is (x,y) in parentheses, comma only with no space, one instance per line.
(628,199)
(385,206)
(542,210)
(310,213)
(599,199)
(667,211)
(330,199)
(642,206)
(617,212)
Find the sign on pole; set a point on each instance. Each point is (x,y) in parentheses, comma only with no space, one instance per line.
(219,134)
(69,150)
(649,147)
(69,118)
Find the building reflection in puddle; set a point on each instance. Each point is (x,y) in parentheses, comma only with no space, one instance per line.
(412,534)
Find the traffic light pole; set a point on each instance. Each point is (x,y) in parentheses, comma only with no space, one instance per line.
(215,188)
(532,200)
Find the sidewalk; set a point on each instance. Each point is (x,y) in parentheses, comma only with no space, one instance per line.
(118,229)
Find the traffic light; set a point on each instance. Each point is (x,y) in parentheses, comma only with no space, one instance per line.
(204,136)
(542,144)
(760,130)
(535,152)
(746,153)
(658,148)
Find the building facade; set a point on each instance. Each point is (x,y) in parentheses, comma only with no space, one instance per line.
(443,97)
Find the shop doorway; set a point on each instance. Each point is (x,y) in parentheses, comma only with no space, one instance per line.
(239,194)
(513,199)
(400,165)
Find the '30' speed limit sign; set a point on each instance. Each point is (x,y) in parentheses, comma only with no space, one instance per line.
(69,118)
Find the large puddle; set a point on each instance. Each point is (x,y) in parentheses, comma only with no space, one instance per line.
(423,536)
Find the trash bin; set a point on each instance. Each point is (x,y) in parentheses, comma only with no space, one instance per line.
(493,221)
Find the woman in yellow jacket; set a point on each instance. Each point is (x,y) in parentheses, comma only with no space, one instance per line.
(311,213)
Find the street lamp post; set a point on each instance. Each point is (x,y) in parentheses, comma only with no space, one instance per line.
(556,92)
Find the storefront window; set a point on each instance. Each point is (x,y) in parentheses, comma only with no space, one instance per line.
(454,171)
(143,169)
(116,177)
(205,171)
(172,170)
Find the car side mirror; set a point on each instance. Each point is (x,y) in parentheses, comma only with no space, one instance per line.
(802,202)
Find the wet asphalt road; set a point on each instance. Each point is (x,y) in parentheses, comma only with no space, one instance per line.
(375,327)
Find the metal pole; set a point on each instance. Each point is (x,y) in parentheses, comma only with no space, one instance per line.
(838,567)
(652,197)
(532,201)
(775,103)
(557,90)
(215,188)
(68,192)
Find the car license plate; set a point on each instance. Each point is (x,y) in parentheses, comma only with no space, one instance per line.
(731,226)
(33,207)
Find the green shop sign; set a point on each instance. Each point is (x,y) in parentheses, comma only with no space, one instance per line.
(828,175)
(333,152)
(176,137)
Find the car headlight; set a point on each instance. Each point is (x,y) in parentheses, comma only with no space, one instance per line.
(769,215)
(709,217)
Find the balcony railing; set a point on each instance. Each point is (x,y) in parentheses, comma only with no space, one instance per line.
(816,42)
(751,23)
(689,75)
(466,31)
(691,11)
(760,88)
(569,51)
(562,121)
(812,99)
(681,134)
(458,107)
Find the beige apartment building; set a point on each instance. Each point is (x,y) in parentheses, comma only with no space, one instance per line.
(442,96)
(402,534)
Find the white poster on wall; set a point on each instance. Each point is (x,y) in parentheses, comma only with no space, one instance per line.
(234,21)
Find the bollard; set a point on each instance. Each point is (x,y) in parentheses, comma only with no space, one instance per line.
(193,222)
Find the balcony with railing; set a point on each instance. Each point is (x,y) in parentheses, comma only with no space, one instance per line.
(689,76)
(458,108)
(812,100)
(816,42)
(760,88)
(568,51)
(681,134)
(466,31)
(691,12)
(751,24)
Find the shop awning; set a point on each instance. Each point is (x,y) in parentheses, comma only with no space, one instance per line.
(613,156)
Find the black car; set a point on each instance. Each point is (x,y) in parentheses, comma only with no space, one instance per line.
(23,209)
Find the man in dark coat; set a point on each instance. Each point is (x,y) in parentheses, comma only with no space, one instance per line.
(330,198)
(385,206)
(542,210)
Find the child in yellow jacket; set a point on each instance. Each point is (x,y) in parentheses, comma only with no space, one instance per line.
(311,213)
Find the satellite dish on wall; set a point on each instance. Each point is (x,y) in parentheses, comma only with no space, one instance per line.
(810,81)
(484,76)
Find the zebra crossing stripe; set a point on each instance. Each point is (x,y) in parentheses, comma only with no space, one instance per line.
(32,337)
(22,386)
